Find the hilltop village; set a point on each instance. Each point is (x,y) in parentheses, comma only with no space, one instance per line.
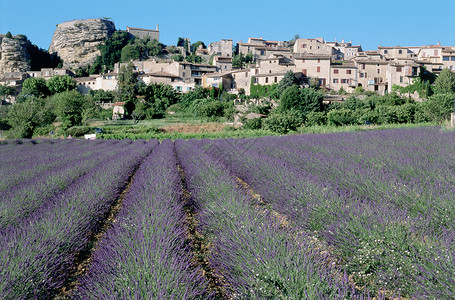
(334,65)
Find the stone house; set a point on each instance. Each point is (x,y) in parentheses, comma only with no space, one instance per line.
(190,73)
(396,52)
(314,66)
(47,73)
(221,48)
(223,63)
(448,58)
(343,75)
(107,82)
(372,74)
(144,33)
(314,46)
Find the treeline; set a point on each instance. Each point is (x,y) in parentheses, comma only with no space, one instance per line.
(304,106)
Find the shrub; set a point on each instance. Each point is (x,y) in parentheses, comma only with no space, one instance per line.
(255,123)
(316,118)
(284,122)
(77,131)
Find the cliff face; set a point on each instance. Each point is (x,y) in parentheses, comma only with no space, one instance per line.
(76,42)
(14,54)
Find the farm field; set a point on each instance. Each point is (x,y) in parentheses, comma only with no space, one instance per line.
(350,215)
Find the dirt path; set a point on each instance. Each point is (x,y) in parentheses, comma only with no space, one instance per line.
(84,258)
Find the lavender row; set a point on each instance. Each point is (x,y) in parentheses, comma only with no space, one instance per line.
(145,255)
(38,255)
(382,245)
(18,170)
(253,255)
(412,169)
(22,200)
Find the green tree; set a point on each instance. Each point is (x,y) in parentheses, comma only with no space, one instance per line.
(6,90)
(196,45)
(68,106)
(240,60)
(35,86)
(157,98)
(110,51)
(130,52)
(436,109)
(127,87)
(302,100)
(9,35)
(194,59)
(155,48)
(288,80)
(24,117)
(60,83)
(445,82)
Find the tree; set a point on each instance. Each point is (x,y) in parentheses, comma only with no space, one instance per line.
(194,59)
(9,35)
(155,48)
(302,100)
(26,116)
(157,98)
(127,87)
(35,86)
(60,83)
(288,80)
(110,51)
(6,90)
(239,60)
(130,52)
(437,108)
(68,106)
(196,45)
(445,82)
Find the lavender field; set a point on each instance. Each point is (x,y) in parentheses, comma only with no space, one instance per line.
(322,216)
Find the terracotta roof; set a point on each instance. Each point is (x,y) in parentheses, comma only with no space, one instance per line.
(118,103)
(345,66)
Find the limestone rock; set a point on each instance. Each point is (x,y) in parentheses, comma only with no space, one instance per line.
(76,42)
(14,54)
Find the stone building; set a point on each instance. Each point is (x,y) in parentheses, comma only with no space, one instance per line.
(221,48)
(144,33)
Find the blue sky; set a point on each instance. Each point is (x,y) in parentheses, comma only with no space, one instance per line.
(369,23)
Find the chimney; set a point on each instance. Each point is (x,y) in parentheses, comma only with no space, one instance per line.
(157,27)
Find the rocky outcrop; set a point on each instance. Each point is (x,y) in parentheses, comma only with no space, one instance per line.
(14,54)
(76,42)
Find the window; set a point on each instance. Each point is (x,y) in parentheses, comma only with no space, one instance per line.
(386,51)
(401,79)
(266,80)
(400,51)
(183,74)
(348,71)
(335,80)
(398,69)
(303,45)
(344,81)
(318,69)
(335,71)
(452,58)
(379,71)
(319,60)
(255,80)
(275,79)
(361,75)
(363,66)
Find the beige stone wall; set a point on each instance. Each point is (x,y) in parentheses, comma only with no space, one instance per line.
(312,67)
(343,77)
(313,46)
